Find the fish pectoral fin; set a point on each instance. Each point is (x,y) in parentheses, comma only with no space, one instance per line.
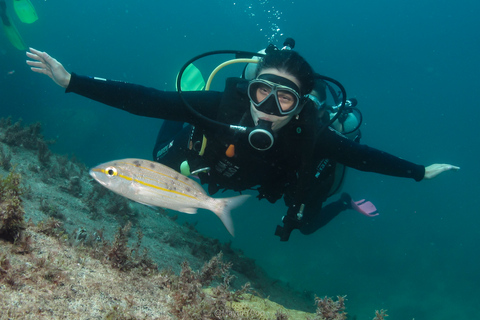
(145,204)
(188,210)
(148,205)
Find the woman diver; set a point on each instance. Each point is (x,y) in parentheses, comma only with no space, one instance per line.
(274,107)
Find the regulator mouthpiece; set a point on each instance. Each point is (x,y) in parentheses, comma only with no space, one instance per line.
(261,138)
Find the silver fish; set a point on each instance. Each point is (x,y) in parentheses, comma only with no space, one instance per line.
(155,184)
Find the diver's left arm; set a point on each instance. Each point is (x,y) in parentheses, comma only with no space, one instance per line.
(364,158)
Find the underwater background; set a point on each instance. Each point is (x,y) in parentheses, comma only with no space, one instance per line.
(412,65)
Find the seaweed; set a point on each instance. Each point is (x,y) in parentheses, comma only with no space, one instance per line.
(51,227)
(204,247)
(121,209)
(4,265)
(92,201)
(5,122)
(43,153)
(123,257)
(328,309)
(113,204)
(380,314)
(73,187)
(12,214)
(47,267)
(51,210)
(119,313)
(29,137)
(68,167)
(5,159)
(189,301)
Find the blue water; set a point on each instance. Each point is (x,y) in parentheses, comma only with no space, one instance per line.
(413,66)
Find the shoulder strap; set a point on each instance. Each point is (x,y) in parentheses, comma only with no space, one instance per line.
(234,101)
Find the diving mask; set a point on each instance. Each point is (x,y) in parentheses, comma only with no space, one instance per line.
(274,95)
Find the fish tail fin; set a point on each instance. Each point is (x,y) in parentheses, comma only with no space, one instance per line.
(224,211)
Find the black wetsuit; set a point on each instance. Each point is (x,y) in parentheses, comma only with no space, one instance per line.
(291,168)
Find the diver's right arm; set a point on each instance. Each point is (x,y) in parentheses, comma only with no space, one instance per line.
(133,98)
(144,101)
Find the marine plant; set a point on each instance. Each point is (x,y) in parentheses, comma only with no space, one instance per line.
(29,137)
(124,257)
(93,199)
(328,309)
(101,200)
(380,314)
(51,210)
(204,247)
(189,301)
(5,159)
(51,227)
(119,207)
(43,153)
(12,214)
(67,167)
(73,186)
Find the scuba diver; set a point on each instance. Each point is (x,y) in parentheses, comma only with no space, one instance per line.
(329,174)
(25,12)
(262,133)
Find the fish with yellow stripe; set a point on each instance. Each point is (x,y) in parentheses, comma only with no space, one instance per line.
(155,184)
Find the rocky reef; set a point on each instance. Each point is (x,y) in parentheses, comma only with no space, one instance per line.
(72,249)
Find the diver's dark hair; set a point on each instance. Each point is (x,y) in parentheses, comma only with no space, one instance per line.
(291,62)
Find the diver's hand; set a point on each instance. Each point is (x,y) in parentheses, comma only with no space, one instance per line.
(435,169)
(47,65)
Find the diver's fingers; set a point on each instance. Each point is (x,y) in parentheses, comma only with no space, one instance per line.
(447,167)
(42,71)
(40,67)
(34,58)
(42,57)
(435,169)
(34,51)
(36,64)
(35,55)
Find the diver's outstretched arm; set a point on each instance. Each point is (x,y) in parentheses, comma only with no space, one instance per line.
(47,65)
(435,169)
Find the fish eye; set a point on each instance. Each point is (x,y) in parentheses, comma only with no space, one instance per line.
(111,171)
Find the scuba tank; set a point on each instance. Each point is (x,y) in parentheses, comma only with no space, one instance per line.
(348,122)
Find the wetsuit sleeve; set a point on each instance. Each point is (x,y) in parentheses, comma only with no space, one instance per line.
(362,157)
(144,101)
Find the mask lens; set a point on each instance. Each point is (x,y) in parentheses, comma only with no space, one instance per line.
(259,92)
(286,99)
